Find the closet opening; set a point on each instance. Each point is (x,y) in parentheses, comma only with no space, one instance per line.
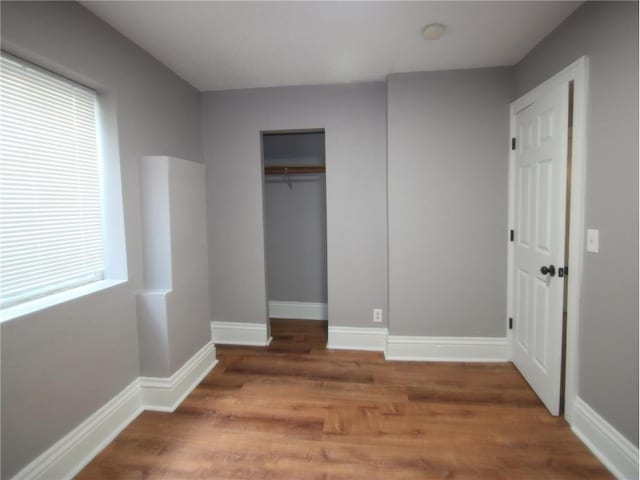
(295,226)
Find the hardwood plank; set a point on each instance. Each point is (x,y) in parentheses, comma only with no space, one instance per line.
(295,410)
(297,336)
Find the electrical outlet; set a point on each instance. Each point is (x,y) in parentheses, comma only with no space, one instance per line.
(377,315)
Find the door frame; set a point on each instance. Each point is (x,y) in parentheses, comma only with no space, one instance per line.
(578,73)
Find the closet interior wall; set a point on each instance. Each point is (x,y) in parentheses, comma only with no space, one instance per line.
(295,224)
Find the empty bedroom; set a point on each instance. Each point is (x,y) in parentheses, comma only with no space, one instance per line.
(319,240)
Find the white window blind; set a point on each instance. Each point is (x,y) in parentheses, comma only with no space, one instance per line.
(51,235)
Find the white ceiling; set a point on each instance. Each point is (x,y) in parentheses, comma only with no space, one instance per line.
(229,45)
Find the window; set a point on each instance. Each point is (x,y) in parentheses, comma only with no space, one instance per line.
(51,234)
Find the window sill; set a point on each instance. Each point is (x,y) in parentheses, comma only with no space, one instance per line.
(49,301)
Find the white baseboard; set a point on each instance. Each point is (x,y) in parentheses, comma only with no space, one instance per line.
(447,349)
(232,333)
(76,449)
(428,349)
(353,338)
(165,394)
(617,453)
(298,310)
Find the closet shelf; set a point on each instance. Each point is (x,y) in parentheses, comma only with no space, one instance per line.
(294,169)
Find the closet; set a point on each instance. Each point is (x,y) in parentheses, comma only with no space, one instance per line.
(295,237)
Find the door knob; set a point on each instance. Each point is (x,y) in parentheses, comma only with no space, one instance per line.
(550,270)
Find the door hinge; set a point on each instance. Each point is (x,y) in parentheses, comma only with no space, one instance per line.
(513,143)
(511,235)
(510,323)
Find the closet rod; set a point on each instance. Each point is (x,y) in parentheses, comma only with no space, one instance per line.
(294,169)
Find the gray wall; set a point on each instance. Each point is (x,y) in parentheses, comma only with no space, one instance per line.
(300,148)
(448,179)
(61,364)
(608,353)
(354,120)
(295,220)
(296,238)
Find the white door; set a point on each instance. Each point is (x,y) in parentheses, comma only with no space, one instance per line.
(539,211)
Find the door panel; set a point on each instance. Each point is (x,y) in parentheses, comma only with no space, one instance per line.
(523,223)
(543,206)
(522,308)
(540,191)
(541,316)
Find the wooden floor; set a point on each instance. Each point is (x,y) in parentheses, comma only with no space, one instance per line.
(297,411)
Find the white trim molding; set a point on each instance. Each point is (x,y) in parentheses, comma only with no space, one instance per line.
(235,333)
(617,453)
(74,451)
(354,338)
(165,394)
(447,349)
(298,310)
(413,348)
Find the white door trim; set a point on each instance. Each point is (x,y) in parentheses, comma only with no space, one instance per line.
(578,73)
